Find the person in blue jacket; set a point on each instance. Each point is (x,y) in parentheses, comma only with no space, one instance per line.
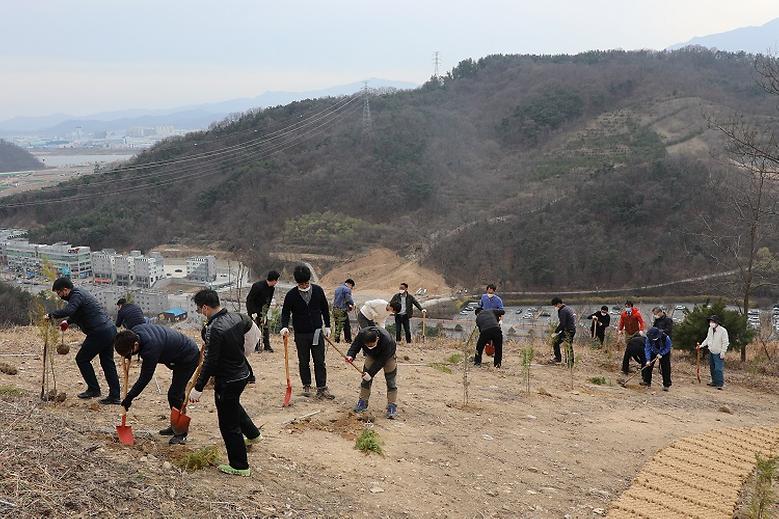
(129,315)
(157,344)
(490,300)
(657,344)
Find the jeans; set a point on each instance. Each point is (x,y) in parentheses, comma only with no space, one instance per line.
(665,370)
(99,342)
(341,318)
(390,375)
(181,375)
(717,368)
(402,321)
(558,340)
(496,336)
(304,342)
(234,423)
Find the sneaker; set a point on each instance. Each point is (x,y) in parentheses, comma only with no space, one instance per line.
(307,391)
(710,384)
(251,441)
(168,431)
(178,439)
(268,349)
(322,393)
(392,411)
(89,393)
(111,400)
(497,366)
(252,380)
(666,388)
(227,469)
(720,387)
(477,364)
(626,372)
(642,383)
(362,405)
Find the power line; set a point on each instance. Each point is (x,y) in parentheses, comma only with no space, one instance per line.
(367,125)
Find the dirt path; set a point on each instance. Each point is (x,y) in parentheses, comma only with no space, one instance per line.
(569,452)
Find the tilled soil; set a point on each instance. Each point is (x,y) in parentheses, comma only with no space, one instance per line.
(556,451)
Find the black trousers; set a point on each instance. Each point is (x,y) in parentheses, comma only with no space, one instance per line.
(636,353)
(402,321)
(234,423)
(364,322)
(599,333)
(665,370)
(99,342)
(558,340)
(181,375)
(496,336)
(304,342)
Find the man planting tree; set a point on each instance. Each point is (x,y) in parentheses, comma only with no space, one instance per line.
(307,305)
(488,322)
(490,300)
(375,312)
(84,311)
(379,348)
(630,324)
(157,344)
(600,322)
(128,314)
(405,312)
(657,346)
(225,360)
(565,331)
(257,304)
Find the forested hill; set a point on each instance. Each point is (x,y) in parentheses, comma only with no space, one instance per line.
(14,158)
(535,171)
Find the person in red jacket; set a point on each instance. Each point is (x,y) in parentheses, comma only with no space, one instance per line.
(630,324)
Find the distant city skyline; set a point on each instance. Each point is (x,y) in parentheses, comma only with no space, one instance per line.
(88,56)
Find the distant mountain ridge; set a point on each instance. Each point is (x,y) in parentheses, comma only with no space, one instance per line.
(186,117)
(14,158)
(755,39)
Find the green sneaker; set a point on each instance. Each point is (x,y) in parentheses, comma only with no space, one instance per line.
(251,441)
(227,469)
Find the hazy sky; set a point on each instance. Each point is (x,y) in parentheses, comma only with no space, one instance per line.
(85,56)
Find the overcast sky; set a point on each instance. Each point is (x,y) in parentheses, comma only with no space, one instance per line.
(86,56)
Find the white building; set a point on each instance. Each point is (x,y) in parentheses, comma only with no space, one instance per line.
(152,302)
(147,271)
(124,270)
(134,269)
(201,268)
(68,260)
(103,266)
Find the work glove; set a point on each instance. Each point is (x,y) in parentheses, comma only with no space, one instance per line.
(641,333)
(349,359)
(195,395)
(126,403)
(424,311)
(327,332)
(64,325)
(254,317)
(366,377)
(284,331)
(722,356)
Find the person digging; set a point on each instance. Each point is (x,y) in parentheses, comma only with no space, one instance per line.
(488,322)
(379,348)
(155,345)
(657,346)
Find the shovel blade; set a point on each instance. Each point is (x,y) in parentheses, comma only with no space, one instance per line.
(179,421)
(125,432)
(287,396)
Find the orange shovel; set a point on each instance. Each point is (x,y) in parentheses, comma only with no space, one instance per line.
(179,420)
(124,431)
(288,394)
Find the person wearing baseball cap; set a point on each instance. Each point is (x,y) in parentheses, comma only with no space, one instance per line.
(717,342)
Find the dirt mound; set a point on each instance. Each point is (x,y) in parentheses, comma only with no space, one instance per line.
(381,271)
(697,477)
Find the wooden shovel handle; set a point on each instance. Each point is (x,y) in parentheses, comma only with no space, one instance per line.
(126,374)
(193,380)
(341,353)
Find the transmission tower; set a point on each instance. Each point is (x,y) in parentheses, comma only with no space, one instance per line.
(436,66)
(367,126)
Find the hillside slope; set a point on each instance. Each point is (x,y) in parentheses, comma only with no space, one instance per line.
(556,170)
(14,158)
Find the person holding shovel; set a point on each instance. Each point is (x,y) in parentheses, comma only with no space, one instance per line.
(84,310)
(488,322)
(717,341)
(257,304)
(657,344)
(600,321)
(379,348)
(157,344)
(630,323)
(310,312)
(225,360)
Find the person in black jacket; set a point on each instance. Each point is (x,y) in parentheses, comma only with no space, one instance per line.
(129,315)
(378,347)
(157,344)
(406,303)
(488,322)
(257,304)
(225,360)
(662,321)
(634,350)
(307,304)
(566,329)
(84,310)
(600,321)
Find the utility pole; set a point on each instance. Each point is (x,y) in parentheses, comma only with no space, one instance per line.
(437,67)
(367,126)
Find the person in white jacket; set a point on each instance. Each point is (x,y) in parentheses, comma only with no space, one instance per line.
(374,313)
(717,341)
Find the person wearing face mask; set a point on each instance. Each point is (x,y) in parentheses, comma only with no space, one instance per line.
(600,321)
(657,344)
(566,328)
(375,312)
(157,344)
(717,341)
(631,323)
(403,316)
(490,300)
(84,310)
(379,348)
(662,321)
(310,312)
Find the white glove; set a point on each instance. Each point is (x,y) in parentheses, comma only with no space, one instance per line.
(254,317)
(195,395)
(641,333)
(366,377)
(424,311)
(327,332)
(722,356)
(284,331)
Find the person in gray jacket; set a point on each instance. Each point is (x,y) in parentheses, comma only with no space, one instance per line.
(488,322)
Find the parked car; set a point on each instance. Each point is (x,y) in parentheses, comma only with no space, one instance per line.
(544,314)
(518,311)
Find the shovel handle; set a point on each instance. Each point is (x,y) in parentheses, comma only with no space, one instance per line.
(341,354)
(193,380)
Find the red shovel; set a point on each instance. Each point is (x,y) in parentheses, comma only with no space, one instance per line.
(124,431)
(288,393)
(179,420)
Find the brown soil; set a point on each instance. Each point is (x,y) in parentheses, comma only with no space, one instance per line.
(567,452)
